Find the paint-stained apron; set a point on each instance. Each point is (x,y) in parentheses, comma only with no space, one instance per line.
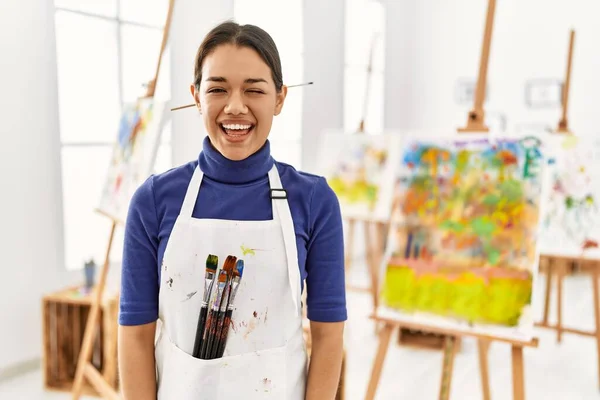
(265,356)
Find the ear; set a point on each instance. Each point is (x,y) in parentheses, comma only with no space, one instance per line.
(194,93)
(280,100)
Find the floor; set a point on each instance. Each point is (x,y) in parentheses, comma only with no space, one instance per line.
(567,371)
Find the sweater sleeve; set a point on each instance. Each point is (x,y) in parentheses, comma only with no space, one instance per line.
(325,281)
(139,275)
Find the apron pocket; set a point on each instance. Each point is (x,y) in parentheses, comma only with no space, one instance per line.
(250,376)
(255,376)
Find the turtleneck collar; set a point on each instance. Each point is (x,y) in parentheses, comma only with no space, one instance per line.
(215,166)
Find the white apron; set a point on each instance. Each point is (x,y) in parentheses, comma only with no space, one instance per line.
(265,357)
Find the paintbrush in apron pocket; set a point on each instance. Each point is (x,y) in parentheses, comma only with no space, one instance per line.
(211,322)
(212,263)
(235,284)
(229,267)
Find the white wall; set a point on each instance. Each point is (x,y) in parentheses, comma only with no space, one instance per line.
(323,106)
(432,43)
(192,19)
(31,238)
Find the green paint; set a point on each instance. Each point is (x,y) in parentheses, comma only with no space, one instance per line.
(511,190)
(569,202)
(493,256)
(452,226)
(483,226)
(491,200)
(246,251)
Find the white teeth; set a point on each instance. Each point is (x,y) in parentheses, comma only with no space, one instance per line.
(237,127)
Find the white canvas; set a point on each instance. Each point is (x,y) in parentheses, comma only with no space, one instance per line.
(571,222)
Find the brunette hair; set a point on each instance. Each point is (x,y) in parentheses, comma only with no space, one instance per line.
(250,36)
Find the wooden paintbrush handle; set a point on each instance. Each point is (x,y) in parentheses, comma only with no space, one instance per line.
(211,339)
(206,335)
(217,342)
(200,331)
(224,333)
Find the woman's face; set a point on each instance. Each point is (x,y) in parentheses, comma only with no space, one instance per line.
(238,99)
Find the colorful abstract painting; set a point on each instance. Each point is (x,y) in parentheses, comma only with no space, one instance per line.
(571,220)
(462,251)
(360,169)
(133,155)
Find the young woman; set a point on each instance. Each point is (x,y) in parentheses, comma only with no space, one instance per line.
(235,200)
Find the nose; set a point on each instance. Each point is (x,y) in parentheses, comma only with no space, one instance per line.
(235,104)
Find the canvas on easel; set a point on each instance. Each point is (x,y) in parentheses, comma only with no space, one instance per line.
(134,154)
(136,149)
(360,170)
(462,251)
(571,222)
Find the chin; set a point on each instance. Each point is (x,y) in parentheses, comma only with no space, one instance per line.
(236,150)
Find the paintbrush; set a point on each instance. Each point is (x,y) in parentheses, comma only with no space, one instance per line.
(211,321)
(237,278)
(212,262)
(228,268)
(194,104)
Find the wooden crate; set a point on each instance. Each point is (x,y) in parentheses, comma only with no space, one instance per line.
(64,317)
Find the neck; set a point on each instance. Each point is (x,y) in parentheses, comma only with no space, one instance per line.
(219,168)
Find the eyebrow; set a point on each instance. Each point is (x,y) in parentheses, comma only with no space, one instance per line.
(222,79)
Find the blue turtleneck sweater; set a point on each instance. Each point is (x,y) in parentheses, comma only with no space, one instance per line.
(234,190)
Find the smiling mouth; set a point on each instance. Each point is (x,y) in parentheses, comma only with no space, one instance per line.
(236,130)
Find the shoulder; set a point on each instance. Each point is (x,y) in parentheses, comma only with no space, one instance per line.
(172,183)
(310,187)
(160,188)
(174,176)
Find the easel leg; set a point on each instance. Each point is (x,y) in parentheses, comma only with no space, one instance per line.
(90,331)
(349,245)
(371,260)
(377,259)
(596,312)
(560,276)
(447,367)
(518,374)
(384,341)
(483,349)
(549,265)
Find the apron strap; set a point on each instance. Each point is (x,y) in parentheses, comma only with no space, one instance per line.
(189,202)
(281,211)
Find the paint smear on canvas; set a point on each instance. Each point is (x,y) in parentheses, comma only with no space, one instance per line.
(465,247)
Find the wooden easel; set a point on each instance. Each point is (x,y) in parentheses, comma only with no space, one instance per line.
(448,361)
(476,118)
(85,370)
(374,231)
(560,265)
(475,123)
(563,122)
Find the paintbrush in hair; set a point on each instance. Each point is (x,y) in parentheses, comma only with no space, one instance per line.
(235,284)
(228,268)
(194,104)
(212,262)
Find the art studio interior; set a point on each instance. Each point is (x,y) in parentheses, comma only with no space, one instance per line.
(434,183)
